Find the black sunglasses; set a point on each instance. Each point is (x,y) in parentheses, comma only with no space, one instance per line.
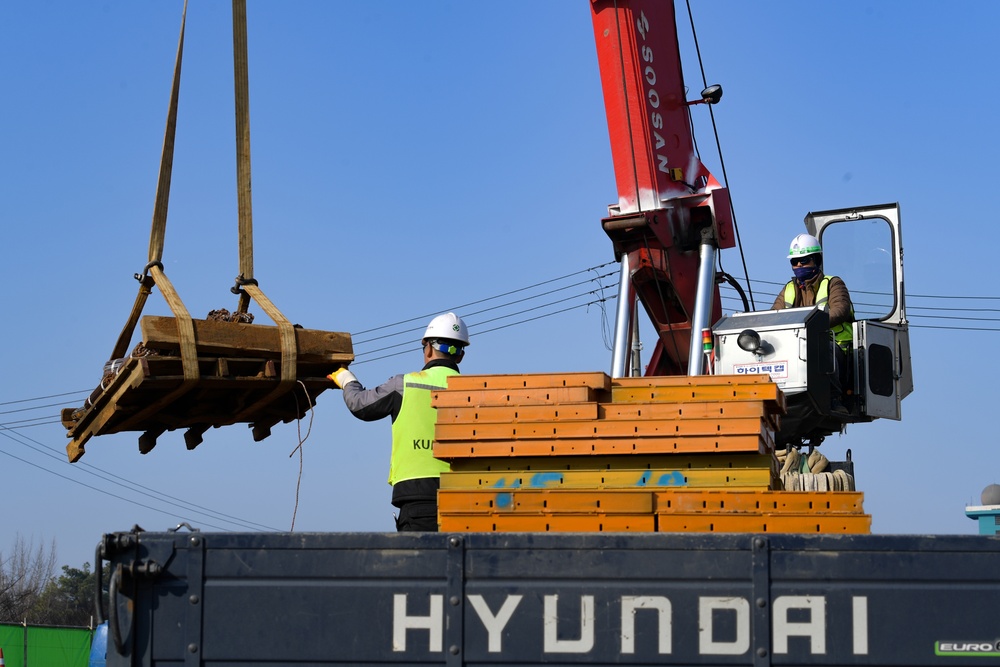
(797,261)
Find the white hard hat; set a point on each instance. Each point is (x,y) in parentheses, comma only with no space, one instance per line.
(449,327)
(804,245)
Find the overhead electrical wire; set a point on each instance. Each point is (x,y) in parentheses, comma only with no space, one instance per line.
(104,491)
(44,398)
(94,471)
(421,318)
(552,301)
(868,306)
(722,161)
(466,314)
(549,303)
(916,313)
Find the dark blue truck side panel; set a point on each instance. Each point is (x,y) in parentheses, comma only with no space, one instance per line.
(529,599)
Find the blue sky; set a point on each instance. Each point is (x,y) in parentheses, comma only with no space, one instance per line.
(413,158)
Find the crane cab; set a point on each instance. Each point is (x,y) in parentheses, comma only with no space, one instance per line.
(795,346)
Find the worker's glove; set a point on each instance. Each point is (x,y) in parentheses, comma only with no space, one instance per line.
(341,377)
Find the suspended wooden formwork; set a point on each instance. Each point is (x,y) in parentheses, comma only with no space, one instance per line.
(199,374)
(241,375)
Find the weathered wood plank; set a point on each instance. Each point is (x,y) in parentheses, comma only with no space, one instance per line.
(248,340)
(216,399)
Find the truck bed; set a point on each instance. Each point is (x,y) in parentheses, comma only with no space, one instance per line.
(192,598)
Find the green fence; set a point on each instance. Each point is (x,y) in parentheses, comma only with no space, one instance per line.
(38,646)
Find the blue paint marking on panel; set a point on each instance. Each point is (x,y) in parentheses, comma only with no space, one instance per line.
(674,478)
(644,479)
(545,479)
(504,500)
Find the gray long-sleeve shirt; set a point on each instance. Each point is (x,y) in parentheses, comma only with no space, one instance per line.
(384,400)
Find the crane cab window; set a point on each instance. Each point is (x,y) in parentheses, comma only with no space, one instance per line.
(862,253)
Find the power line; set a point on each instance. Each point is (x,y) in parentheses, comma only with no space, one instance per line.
(99,490)
(501,306)
(505,326)
(94,471)
(502,317)
(44,398)
(549,307)
(478,301)
(726,297)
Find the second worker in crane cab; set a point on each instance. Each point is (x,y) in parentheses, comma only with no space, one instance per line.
(810,287)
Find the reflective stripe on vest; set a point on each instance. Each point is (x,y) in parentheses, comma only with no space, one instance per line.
(413,430)
(843,333)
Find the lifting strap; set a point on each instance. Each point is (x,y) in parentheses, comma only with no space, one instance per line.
(246,285)
(247,288)
(153,272)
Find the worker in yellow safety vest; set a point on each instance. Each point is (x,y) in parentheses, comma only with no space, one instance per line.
(414,473)
(810,287)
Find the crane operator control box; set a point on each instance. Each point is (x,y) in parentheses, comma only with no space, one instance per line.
(794,346)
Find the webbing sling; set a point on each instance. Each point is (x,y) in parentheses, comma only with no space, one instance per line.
(153,273)
(246,286)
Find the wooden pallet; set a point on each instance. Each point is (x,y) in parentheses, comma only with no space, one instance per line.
(239,381)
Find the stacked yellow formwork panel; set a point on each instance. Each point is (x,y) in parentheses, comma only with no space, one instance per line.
(583,452)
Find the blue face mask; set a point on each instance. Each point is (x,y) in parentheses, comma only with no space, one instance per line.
(804,274)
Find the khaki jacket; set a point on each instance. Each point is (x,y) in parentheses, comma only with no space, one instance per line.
(839,304)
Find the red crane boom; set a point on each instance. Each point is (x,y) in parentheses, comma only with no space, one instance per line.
(669,204)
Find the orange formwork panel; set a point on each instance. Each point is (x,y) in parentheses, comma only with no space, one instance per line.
(601,429)
(681,462)
(517,413)
(706,410)
(553,501)
(743,500)
(854,524)
(762,479)
(698,393)
(448,398)
(594,380)
(542,523)
(690,380)
(761,443)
